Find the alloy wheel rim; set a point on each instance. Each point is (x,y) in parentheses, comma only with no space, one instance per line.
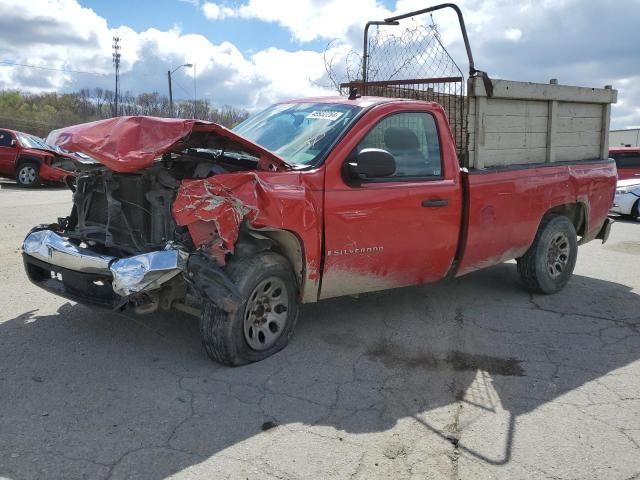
(27,175)
(266,313)
(558,255)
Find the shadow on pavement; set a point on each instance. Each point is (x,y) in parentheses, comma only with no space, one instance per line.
(100,394)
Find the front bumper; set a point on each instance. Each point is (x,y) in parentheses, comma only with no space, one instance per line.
(81,287)
(55,264)
(623,203)
(79,274)
(51,173)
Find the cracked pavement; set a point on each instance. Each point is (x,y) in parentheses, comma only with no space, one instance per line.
(469,379)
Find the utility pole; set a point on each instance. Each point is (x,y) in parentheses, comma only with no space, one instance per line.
(116,64)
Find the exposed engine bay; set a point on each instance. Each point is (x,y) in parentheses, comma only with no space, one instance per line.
(130,213)
(121,234)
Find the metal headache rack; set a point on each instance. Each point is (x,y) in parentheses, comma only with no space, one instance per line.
(409,60)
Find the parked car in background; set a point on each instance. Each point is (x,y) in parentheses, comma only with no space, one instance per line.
(30,161)
(627,199)
(627,161)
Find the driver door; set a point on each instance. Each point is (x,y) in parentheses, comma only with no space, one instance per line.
(399,230)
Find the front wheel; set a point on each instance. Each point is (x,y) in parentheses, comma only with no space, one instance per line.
(265,319)
(548,264)
(28,174)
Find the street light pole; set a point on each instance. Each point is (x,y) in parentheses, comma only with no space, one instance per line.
(169,73)
(170,94)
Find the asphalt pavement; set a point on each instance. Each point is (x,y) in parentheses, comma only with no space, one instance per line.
(468,379)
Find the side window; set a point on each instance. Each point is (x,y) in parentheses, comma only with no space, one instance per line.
(627,160)
(412,139)
(5,139)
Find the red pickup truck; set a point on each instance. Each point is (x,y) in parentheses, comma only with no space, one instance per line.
(627,161)
(307,200)
(30,161)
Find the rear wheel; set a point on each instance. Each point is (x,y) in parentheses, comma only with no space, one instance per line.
(28,174)
(548,264)
(265,319)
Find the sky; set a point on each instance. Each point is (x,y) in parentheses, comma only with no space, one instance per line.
(251,53)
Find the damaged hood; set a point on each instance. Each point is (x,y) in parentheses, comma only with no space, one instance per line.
(128,144)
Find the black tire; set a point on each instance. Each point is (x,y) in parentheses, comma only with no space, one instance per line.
(225,336)
(548,264)
(635,211)
(28,174)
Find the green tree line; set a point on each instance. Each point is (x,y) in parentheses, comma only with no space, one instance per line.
(39,113)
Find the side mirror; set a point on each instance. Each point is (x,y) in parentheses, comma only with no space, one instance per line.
(373,163)
(14,143)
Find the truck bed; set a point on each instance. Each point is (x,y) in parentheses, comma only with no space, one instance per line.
(505,206)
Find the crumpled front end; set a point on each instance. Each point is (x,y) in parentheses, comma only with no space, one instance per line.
(121,245)
(171,204)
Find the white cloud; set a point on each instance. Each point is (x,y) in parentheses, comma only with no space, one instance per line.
(307,20)
(626,113)
(63,35)
(513,34)
(285,81)
(58,34)
(213,11)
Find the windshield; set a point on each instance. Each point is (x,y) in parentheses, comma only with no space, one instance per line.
(30,141)
(300,133)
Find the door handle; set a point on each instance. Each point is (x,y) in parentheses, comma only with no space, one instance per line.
(435,202)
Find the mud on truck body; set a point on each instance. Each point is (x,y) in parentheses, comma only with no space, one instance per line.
(317,198)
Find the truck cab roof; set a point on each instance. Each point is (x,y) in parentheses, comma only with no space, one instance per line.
(363,102)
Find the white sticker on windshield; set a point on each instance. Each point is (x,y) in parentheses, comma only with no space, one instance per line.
(325,115)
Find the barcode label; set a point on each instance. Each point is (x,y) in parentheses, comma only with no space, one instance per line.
(325,115)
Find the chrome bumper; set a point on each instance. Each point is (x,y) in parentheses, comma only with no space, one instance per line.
(129,275)
(51,248)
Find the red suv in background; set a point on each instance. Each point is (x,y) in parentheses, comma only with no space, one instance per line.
(30,160)
(628,162)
